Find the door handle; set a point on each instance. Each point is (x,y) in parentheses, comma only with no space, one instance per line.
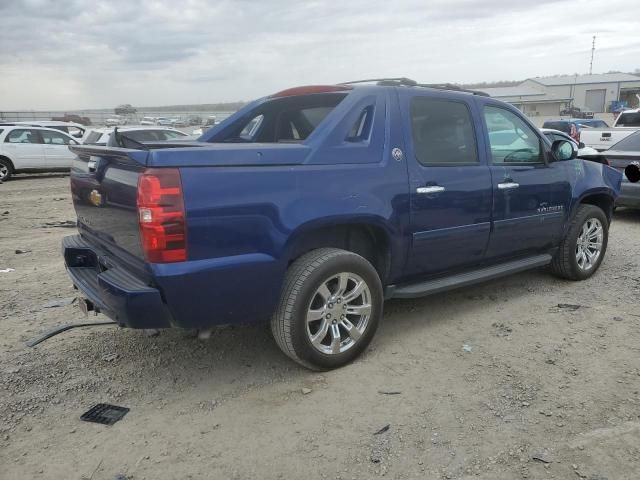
(431,189)
(508,185)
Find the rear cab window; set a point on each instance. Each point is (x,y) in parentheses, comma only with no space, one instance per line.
(282,119)
(629,119)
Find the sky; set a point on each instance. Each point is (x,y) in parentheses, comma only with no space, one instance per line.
(72,54)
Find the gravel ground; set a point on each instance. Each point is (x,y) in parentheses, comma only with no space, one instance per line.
(546,385)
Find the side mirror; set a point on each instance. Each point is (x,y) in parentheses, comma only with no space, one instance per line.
(564,150)
(632,172)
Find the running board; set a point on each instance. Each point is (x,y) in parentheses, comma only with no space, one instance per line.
(422,289)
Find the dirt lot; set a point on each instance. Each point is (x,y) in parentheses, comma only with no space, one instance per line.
(546,391)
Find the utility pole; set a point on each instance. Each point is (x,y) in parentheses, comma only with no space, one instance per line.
(593,49)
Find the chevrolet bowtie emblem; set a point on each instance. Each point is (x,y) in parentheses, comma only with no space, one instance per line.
(95,198)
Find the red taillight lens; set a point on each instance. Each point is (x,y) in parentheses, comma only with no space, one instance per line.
(161,215)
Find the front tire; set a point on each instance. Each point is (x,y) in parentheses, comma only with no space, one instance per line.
(582,250)
(329,310)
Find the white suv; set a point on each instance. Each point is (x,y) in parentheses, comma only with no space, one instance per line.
(33,149)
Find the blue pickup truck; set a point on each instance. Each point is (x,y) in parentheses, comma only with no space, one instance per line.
(308,208)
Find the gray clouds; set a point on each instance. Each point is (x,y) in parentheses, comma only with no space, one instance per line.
(100,53)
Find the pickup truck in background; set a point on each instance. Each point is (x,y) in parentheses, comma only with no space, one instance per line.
(308,208)
(603,138)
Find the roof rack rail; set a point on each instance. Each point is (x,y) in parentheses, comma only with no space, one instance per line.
(385,81)
(407,82)
(451,86)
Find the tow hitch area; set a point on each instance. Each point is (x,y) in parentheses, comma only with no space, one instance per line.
(87,306)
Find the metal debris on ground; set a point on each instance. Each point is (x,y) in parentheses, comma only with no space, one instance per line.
(104,414)
(569,306)
(389,392)
(542,457)
(62,224)
(22,250)
(383,429)
(60,302)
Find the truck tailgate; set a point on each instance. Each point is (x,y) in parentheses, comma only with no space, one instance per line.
(604,138)
(104,190)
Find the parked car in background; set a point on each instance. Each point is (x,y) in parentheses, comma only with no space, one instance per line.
(620,156)
(308,208)
(163,121)
(25,148)
(74,129)
(602,139)
(576,112)
(100,136)
(179,122)
(570,127)
(210,122)
(194,120)
(148,121)
(583,151)
(86,121)
(115,120)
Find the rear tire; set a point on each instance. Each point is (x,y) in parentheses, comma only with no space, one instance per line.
(582,250)
(329,310)
(6,169)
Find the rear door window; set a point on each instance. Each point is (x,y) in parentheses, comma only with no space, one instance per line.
(442,132)
(55,138)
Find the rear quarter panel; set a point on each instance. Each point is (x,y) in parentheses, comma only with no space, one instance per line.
(244,221)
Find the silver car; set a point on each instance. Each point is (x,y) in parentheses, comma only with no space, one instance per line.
(620,156)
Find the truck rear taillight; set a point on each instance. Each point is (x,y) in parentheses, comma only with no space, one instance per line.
(161,215)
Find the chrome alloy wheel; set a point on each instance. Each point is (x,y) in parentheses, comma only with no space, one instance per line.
(589,244)
(339,313)
(4,171)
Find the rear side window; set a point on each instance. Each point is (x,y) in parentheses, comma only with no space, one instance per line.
(362,126)
(629,120)
(22,136)
(442,132)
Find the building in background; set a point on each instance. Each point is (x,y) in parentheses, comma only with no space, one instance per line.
(547,96)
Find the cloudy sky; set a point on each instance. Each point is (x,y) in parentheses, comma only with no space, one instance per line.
(66,54)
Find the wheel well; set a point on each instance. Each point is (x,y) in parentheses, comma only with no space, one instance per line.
(370,242)
(2,157)
(601,200)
